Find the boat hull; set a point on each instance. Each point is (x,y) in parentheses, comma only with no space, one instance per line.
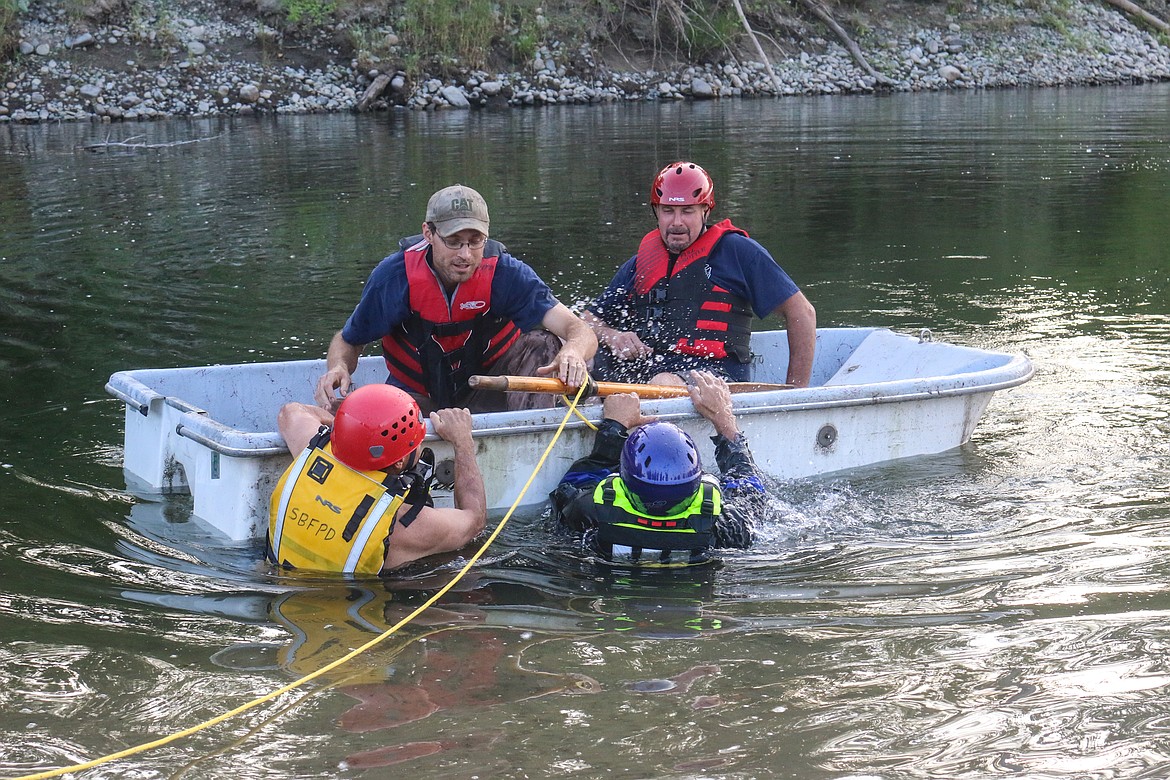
(875,396)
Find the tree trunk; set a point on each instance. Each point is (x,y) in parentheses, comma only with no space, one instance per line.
(1136,10)
(373,92)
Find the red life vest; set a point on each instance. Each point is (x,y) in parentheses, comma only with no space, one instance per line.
(685,312)
(444,343)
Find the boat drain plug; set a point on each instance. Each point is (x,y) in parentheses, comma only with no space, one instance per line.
(826,437)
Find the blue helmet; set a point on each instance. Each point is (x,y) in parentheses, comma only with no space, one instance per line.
(660,465)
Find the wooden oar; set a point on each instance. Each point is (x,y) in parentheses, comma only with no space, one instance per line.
(539,384)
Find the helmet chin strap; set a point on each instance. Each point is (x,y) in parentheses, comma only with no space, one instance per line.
(410,461)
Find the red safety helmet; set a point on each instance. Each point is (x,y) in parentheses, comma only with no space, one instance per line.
(375,427)
(683,184)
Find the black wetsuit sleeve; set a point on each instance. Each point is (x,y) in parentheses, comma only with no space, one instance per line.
(573,498)
(607,450)
(744,499)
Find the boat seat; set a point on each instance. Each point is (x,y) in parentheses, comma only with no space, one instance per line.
(885,356)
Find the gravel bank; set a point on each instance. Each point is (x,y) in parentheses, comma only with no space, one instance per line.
(195,64)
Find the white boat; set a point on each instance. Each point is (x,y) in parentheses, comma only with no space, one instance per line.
(874,396)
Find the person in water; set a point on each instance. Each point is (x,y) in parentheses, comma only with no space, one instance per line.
(356,498)
(641,496)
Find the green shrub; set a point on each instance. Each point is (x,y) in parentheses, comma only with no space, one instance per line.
(10,11)
(708,33)
(462,28)
(308,11)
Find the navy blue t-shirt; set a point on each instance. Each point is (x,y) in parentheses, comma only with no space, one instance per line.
(739,265)
(517,294)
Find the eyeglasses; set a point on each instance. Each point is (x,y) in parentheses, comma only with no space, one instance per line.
(456,244)
(451,243)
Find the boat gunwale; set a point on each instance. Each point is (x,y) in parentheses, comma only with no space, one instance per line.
(1016,371)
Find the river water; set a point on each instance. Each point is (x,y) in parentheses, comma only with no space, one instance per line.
(997,610)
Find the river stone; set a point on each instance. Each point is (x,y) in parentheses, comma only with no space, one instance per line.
(81,41)
(90,90)
(43,49)
(27,48)
(455,97)
(196,49)
(249,93)
(950,73)
(701,90)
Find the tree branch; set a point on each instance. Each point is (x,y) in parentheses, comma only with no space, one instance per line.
(759,48)
(823,14)
(126,144)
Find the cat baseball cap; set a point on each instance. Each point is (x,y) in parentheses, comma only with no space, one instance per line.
(456,208)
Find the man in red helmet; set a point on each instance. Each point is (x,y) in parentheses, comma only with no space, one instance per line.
(453,303)
(355,500)
(685,301)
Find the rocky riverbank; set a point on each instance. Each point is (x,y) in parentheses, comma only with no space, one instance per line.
(198,62)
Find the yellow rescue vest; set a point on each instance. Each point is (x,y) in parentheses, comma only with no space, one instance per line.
(325,516)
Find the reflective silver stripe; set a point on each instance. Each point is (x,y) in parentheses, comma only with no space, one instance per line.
(282,508)
(355,616)
(648,555)
(365,530)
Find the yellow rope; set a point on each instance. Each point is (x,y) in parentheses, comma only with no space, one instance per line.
(573,408)
(345,658)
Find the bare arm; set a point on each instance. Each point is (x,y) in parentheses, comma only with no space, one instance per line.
(340,363)
(454,426)
(299,423)
(801,321)
(579,345)
(623,344)
(443,530)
